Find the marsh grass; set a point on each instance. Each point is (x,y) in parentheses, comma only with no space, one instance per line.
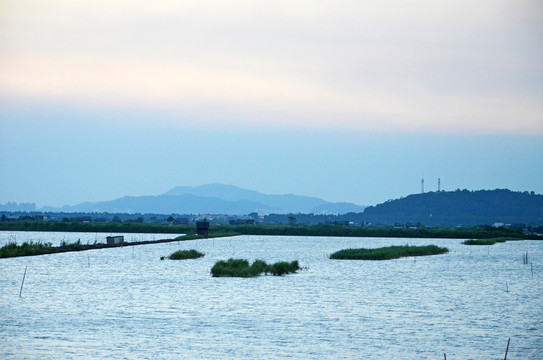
(185,254)
(39,248)
(490,241)
(31,248)
(283,267)
(25,249)
(241,268)
(75,246)
(387,253)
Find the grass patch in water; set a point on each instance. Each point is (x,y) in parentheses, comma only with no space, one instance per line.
(185,254)
(490,241)
(387,253)
(241,268)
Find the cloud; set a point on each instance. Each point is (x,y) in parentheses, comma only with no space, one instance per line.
(417,66)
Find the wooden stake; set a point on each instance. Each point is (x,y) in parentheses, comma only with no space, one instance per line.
(507,350)
(22,283)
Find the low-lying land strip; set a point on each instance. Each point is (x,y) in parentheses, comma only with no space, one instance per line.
(490,241)
(261,229)
(38,248)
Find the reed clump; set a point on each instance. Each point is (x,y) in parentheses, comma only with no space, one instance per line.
(25,249)
(186,254)
(387,253)
(241,268)
(490,241)
(75,246)
(283,267)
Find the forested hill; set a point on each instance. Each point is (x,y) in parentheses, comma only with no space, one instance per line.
(460,207)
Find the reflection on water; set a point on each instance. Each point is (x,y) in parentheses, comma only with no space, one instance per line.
(125,303)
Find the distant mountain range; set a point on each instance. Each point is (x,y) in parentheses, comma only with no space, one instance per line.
(460,207)
(213,199)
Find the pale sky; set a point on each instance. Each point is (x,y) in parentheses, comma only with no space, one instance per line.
(350,101)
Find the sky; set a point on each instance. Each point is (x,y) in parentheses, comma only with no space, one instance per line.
(351,101)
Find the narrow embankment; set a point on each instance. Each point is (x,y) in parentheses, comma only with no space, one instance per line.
(34,249)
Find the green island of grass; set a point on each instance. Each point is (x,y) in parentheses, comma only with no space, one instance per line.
(241,268)
(490,241)
(387,253)
(185,254)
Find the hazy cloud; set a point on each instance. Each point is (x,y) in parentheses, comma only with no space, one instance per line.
(420,65)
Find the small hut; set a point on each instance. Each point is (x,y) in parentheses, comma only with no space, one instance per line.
(115,240)
(202,227)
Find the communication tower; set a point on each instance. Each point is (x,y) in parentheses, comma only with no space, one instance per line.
(422,186)
(438,184)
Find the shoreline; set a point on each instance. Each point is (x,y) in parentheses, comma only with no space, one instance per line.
(261,229)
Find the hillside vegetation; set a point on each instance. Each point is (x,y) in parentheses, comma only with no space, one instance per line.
(468,208)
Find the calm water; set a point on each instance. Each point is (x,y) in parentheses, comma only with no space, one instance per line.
(125,303)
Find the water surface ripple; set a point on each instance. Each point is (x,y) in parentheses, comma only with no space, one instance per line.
(125,303)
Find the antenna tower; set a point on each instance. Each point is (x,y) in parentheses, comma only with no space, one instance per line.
(438,184)
(422,186)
